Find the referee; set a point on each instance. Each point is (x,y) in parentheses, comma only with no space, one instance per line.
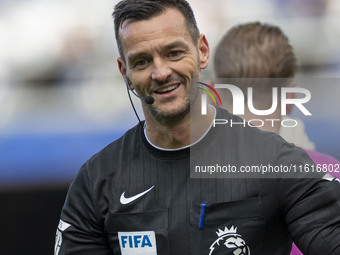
(138,195)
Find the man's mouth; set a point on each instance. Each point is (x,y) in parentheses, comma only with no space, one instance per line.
(167,89)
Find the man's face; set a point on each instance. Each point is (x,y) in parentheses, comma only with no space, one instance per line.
(161,60)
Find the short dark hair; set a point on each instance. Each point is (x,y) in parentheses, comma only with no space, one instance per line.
(254,50)
(137,10)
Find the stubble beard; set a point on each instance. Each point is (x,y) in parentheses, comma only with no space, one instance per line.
(164,117)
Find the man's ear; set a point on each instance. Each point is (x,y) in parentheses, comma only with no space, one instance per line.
(203,49)
(290,95)
(122,69)
(121,66)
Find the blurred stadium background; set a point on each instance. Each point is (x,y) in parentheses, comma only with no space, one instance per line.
(62,98)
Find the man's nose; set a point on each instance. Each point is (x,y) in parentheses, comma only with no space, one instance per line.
(161,70)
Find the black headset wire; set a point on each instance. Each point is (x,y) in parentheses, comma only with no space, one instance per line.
(132,104)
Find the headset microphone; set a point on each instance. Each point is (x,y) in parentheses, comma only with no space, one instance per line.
(147,99)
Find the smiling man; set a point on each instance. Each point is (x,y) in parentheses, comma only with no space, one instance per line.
(136,196)
(160,57)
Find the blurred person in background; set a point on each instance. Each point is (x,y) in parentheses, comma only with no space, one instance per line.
(260,56)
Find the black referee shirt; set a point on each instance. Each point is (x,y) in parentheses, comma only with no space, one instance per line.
(132,198)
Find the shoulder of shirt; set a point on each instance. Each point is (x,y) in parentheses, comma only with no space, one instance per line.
(267,145)
(113,151)
(322,158)
(250,131)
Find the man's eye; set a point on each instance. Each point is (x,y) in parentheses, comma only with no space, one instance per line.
(175,54)
(141,63)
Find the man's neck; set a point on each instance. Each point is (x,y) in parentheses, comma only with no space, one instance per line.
(181,133)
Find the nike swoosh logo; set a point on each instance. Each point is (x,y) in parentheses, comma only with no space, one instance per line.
(128,200)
